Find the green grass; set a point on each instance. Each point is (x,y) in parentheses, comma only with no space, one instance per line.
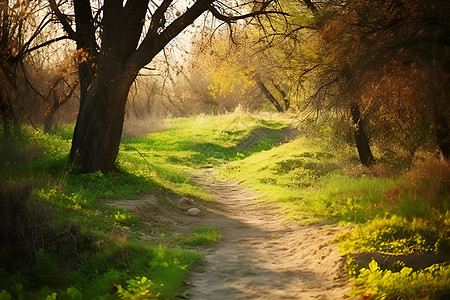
(399,213)
(170,156)
(289,174)
(201,236)
(91,249)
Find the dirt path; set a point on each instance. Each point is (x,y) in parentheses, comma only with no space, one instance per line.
(262,256)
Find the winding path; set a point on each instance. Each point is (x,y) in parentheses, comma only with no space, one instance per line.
(262,256)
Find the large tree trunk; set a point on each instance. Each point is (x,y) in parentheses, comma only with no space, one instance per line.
(362,143)
(97,134)
(106,75)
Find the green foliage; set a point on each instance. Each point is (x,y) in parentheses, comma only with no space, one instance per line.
(52,296)
(74,293)
(202,236)
(397,235)
(50,270)
(87,252)
(90,249)
(4,295)
(127,219)
(64,131)
(430,283)
(139,288)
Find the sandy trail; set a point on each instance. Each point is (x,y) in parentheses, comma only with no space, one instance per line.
(262,256)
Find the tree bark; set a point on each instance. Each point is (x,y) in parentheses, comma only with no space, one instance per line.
(95,143)
(362,143)
(7,113)
(105,80)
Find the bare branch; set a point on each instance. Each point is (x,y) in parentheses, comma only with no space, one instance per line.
(63,19)
(233,19)
(44,44)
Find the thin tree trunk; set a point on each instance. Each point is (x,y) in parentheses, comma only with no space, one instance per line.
(268,94)
(442,130)
(7,113)
(362,143)
(284,96)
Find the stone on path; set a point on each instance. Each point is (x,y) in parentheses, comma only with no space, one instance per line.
(193,211)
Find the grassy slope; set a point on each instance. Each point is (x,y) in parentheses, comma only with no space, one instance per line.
(311,181)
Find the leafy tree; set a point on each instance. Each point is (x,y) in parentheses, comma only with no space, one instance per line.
(241,72)
(384,61)
(115,41)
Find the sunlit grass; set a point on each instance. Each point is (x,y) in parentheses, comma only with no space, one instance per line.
(171,156)
(200,236)
(390,212)
(310,180)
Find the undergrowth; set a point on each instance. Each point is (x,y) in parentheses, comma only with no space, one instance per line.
(375,283)
(58,241)
(61,241)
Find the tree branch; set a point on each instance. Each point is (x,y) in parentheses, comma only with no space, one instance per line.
(233,19)
(63,19)
(154,43)
(158,20)
(38,30)
(49,42)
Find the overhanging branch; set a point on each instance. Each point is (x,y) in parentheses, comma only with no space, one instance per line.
(63,19)
(233,19)
(47,43)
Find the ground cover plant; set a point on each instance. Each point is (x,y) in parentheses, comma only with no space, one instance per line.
(60,241)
